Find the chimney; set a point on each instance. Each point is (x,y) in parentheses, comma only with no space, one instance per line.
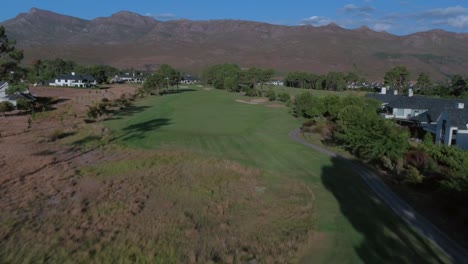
(410,92)
(460,105)
(73,73)
(395,92)
(384,90)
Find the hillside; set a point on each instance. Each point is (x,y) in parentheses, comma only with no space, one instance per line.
(127,39)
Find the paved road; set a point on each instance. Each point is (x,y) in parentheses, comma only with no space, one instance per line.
(457,253)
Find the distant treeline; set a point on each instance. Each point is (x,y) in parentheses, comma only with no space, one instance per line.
(232,78)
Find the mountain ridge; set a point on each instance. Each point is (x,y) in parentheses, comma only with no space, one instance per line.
(127,39)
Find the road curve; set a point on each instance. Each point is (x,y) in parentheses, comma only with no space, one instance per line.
(457,253)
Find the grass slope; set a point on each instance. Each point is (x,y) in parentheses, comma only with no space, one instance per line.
(352,225)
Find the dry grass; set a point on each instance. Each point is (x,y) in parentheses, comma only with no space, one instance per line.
(163,207)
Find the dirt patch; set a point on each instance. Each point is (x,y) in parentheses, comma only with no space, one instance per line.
(252,101)
(258,100)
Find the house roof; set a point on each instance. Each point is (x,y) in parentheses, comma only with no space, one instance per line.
(384,98)
(417,101)
(428,116)
(458,117)
(190,78)
(421,102)
(3,83)
(17,96)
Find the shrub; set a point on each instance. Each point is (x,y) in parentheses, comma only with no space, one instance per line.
(412,176)
(271,95)
(58,134)
(24,104)
(284,96)
(252,92)
(6,107)
(418,159)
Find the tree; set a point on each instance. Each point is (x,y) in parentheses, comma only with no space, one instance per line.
(231,83)
(216,75)
(10,57)
(265,75)
(164,77)
(458,85)
(284,96)
(397,77)
(14,88)
(6,107)
(424,82)
(271,95)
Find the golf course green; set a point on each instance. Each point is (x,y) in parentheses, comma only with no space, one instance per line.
(352,225)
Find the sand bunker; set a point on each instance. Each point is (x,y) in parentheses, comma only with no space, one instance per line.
(252,101)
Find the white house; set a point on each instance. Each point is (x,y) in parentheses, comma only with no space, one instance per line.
(12,98)
(189,79)
(446,119)
(275,83)
(73,80)
(407,107)
(452,128)
(129,78)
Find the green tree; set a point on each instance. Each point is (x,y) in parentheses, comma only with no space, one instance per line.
(458,85)
(10,57)
(284,96)
(231,83)
(6,107)
(265,75)
(163,78)
(424,83)
(14,88)
(271,95)
(397,77)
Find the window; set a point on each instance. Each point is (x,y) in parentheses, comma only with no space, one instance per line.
(444,126)
(454,132)
(400,112)
(453,142)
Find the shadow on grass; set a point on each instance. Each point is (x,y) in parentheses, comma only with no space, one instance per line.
(140,130)
(176,91)
(87,140)
(387,239)
(130,111)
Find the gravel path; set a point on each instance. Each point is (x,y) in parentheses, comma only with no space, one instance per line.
(425,228)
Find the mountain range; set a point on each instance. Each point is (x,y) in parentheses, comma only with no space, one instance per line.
(127,39)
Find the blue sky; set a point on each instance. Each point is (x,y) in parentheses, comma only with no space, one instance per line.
(395,16)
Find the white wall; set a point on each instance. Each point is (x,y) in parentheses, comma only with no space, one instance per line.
(406,112)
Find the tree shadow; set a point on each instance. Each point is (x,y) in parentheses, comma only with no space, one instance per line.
(128,111)
(87,139)
(180,90)
(140,130)
(387,239)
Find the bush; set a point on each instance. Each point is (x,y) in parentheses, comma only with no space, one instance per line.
(271,95)
(284,96)
(412,176)
(58,134)
(252,92)
(24,104)
(6,107)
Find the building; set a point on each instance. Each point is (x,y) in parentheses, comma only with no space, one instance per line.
(446,119)
(129,78)
(73,80)
(14,97)
(189,79)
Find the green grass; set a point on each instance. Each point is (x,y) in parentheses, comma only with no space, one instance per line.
(352,225)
